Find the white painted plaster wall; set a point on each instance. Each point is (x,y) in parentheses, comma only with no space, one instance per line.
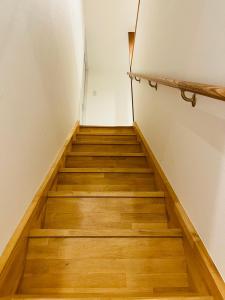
(41,65)
(186,40)
(107,24)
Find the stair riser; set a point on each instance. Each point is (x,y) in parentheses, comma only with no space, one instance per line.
(105,178)
(107,130)
(107,148)
(108,138)
(106,162)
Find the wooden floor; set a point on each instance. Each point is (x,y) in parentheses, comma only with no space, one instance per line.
(106,232)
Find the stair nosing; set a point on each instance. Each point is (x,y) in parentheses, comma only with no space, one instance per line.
(107,126)
(105,143)
(106,170)
(86,194)
(121,233)
(106,134)
(104,297)
(106,154)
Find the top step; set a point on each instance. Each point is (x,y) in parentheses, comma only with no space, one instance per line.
(107,130)
(104,133)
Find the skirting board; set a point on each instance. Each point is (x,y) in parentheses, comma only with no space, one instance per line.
(13,257)
(204,263)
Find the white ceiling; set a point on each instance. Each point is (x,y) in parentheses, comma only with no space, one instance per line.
(107,25)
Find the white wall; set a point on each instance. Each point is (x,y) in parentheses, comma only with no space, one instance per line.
(112,103)
(41,65)
(107,25)
(186,40)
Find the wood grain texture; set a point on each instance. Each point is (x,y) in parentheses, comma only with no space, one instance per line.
(106,213)
(131,40)
(106,133)
(111,228)
(102,297)
(105,233)
(106,129)
(107,148)
(106,170)
(105,154)
(94,161)
(97,264)
(106,181)
(86,194)
(211,91)
(119,246)
(106,138)
(109,178)
(105,187)
(105,142)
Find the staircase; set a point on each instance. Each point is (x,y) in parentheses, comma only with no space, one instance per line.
(107,232)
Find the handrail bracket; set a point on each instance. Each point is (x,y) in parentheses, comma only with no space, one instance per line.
(192,100)
(154,86)
(131,77)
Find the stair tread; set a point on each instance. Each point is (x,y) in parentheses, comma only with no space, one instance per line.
(106,170)
(92,297)
(106,126)
(106,161)
(107,133)
(155,194)
(111,139)
(99,148)
(106,181)
(106,142)
(106,213)
(113,154)
(107,129)
(176,233)
(105,265)
(104,187)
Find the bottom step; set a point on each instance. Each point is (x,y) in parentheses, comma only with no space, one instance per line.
(105,267)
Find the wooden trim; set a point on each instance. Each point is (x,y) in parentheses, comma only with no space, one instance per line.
(106,170)
(12,259)
(131,39)
(135,32)
(78,297)
(74,194)
(211,91)
(105,154)
(87,233)
(106,134)
(102,126)
(105,142)
(206,268)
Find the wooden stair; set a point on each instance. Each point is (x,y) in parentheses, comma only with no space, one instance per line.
(85,297)
(107,232)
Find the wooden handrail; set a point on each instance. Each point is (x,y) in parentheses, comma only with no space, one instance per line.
(135,32)
(211,91)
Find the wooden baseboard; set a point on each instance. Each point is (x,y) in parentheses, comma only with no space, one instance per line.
(205,268)
(13,257)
